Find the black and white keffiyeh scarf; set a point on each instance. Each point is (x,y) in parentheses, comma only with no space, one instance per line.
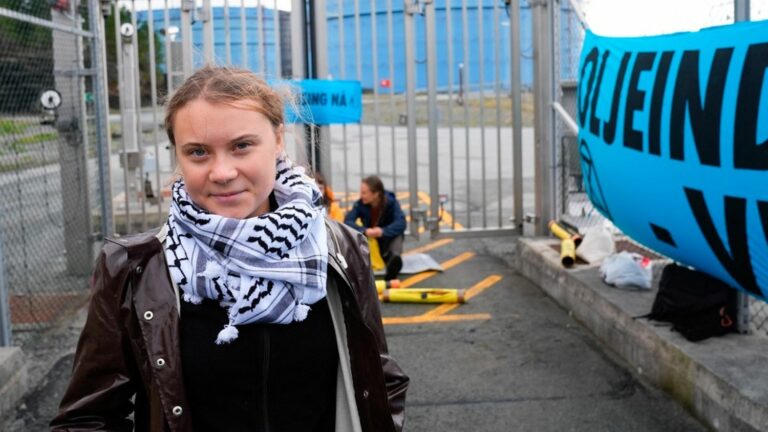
(264,269)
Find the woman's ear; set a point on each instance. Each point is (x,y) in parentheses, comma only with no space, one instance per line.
(280,140)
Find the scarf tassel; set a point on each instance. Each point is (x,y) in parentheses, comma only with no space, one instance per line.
(227,335)
(300,312)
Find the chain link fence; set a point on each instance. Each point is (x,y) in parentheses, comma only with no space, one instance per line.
(48,183)
(574,206)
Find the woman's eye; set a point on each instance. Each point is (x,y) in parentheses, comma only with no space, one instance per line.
(242,145)
(197,152)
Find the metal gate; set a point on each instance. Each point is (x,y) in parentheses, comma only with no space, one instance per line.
(443,122)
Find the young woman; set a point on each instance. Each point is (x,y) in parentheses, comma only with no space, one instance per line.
(382,219)
(248,310)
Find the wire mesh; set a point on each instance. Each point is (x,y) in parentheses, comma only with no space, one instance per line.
(48,184)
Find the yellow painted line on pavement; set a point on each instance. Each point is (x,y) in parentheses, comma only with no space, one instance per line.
(430,246)
(413,280)
(429,319)
(471,292)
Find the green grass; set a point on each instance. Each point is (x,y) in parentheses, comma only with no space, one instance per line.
(8,127)
(38,138)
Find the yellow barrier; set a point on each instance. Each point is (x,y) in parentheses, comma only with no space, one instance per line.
(382,285)
(423,295)
(567,252)
(564,234)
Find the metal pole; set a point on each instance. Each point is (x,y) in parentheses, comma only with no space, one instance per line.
(543,97)
(101,113)
(434,185)
(5,306)
(464,96)
(276,32)
(243,37)
(741,9)
(298,39)
(449,33)
(260,20)
(187,7)
(207,31)
(343,75)
(410,85)
(320,67)
(139,132)
(375,63)
(517,117)
(227,34)
(497,90)
(392,84)
(153,95)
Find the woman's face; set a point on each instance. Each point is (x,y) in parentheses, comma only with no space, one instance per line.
(227,156)
(366,196)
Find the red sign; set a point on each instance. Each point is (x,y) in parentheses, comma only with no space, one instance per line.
(385,83)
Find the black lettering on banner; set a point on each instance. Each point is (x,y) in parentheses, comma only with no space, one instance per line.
(747,152)
(737,263)
(594,122)
(704,117)
(657,97)
(609,128)
(635,100)
(338,99)
(590,59)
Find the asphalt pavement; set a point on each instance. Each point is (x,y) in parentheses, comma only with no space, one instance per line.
(510,359)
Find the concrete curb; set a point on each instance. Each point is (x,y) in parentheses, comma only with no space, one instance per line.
(723,381)
(14,379)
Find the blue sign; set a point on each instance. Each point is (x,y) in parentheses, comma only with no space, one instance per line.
(324,102)
(674,144)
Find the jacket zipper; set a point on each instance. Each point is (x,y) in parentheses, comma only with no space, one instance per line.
(265,379)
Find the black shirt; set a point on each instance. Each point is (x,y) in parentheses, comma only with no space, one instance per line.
(273,377)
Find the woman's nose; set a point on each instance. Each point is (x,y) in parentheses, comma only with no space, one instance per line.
(222,171)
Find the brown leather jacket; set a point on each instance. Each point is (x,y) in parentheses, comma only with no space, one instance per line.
(130,343)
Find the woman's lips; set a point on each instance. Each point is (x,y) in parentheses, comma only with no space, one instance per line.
(226,197)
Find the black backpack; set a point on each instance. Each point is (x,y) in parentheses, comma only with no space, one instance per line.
(698,305)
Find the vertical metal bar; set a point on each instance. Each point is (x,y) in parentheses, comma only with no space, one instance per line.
(359,68)
(517,117)
(542,79)
(168,56)
(227,34)
(276,31)
(260,19)
(743,320)
(434,185)
(208,53)
(139,132)
(123,110)
(187,6)
(5,306)
(497,88)
(243,37)
(298,39)
(153,95)
(392,83)
(741,10)
(481,93)
(555,91)
(101,112)
(320,57)
(375,60)
(343,75)
(464,76)
(449,35)
(410,85)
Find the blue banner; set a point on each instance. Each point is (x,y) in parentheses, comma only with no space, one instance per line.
(674,145)
(324,102)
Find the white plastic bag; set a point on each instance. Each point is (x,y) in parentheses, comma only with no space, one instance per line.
(627,270)
(596,245)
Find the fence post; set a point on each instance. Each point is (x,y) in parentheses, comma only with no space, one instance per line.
(101,112)
(433,222)
(517,116)
(322,139)
(410,99)
(72,152)
(5,306)
(543,95)
(743,321)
